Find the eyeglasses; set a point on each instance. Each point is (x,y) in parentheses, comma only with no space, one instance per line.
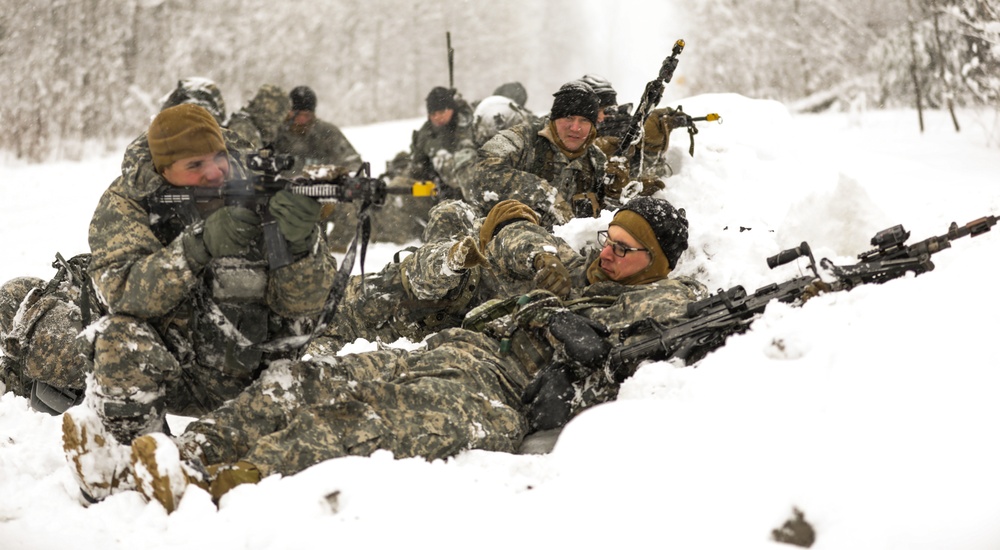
(618,248)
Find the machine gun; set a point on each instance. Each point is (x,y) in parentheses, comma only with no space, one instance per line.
(679,119)
(326,184)
(651,96)
(710,321)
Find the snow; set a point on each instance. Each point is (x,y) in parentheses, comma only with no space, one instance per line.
(873,411)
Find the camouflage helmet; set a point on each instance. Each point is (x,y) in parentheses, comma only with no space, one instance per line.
(514,91)
(198,91)
(602,88)
(268,109)
(495,113)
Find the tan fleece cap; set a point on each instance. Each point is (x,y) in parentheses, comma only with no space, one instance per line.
(183,131)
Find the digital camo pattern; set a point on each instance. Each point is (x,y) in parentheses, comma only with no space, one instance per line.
(420,294)
(381,306)
(258,121)
(197,91)
(521,164)
(462,392)
(12,294)
(429,142)
(445,156)
(458,394)
(193,325)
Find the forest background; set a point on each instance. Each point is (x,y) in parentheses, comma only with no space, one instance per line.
(79,74)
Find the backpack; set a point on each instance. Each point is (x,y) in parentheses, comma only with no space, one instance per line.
(47,341)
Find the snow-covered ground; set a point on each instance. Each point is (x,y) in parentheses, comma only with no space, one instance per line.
(875,412)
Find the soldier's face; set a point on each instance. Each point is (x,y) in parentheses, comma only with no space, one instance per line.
(573,131)
(441,118)
(209,170)
(618,267)
(301,120)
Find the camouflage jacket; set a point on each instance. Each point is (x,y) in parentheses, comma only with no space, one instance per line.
(522,164)
(322,143)
(139,268)
(430,145)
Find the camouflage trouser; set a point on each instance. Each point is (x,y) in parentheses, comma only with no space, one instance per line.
(458,394)
(137,380)
(381,306)
(451,220)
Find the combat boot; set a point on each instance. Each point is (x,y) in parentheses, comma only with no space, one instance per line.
(161,474)
(98,462)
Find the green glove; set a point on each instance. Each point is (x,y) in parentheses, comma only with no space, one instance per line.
(297,216)
(230,230)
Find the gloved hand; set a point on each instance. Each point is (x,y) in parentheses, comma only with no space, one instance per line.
(650,184)
(464,255)
(583,342)
(814,289)
(561,212)
(297,216)
(195,251)
(656,131)
(552,275)
(548,398)
(230,230)
(618,168)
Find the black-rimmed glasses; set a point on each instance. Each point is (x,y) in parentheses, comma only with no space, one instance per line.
(618,248)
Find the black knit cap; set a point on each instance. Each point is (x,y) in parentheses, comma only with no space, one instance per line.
(303,98)
(668,224)
(439,99)
(575,98)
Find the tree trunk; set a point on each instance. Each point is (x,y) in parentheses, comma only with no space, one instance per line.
(949,95)
(913,67)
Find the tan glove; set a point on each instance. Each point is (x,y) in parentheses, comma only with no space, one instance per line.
(814,289)
(552,274)
(464,255)
(656,131)
(618,169)
(650,185)
(560,213)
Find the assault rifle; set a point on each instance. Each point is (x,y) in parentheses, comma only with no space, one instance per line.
(710,321)
(326,184)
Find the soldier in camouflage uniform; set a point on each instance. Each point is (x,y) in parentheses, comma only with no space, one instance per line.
(648,166)
(552,166)
(464,391)
(188,293)
(258,121)
(442,151)
(312,141)
(434,287)
(197,91)
(45,356)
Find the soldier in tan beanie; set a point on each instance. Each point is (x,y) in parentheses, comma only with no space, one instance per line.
(190,134)
(187,297)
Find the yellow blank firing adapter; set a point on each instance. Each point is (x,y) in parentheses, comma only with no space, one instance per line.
(712,117)
(424,189)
